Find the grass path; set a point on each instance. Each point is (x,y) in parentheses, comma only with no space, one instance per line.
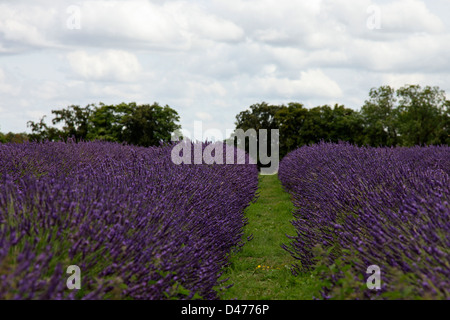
(261,271)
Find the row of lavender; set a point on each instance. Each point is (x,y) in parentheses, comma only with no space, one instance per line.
(360,207)
(137,225)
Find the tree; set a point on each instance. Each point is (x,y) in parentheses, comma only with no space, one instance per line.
(148,125)
(75,120)
(290,120)
(2,138)
(259,116)
(423,115)
(330,124)
(42,132)
(410,116)
(299,126)
(11,137)
(444,131)
(380,118)
(346,125)
(143,125)
(107,122)
(16,137)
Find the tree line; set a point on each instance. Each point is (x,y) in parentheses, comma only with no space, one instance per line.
(143,125)
(409,116)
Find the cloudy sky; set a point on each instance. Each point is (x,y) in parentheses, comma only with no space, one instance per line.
(211,59)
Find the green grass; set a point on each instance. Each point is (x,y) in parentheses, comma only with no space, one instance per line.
(261,270)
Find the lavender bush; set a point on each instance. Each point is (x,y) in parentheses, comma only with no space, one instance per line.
(136,224)
(357,207)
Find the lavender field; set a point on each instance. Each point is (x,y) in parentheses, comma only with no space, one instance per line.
(137,225)
(141,227)
(359,207)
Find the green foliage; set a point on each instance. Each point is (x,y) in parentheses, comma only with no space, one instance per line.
(260,116)
(143,125)
(148,125)
(76,121)
(41,132)
(300,126)
(340,280)
(291,119)
(11,137)
(337,280)
(408,116)
(380,118)
(331,124)
(106,123)
(423,116)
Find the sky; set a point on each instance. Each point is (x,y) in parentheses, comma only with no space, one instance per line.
(211,59)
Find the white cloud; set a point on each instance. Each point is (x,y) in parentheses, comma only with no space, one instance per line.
(171,25)
(311,83)
(204,116)
(135,21)
(48,90)
(211,59)
(278,22)
(399,80)
(120,92)
(107,65)
(418,52)
(315,82)
(6,87)
(198,23)
(409,16)
(26,26)
(399,17)
(198,89)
